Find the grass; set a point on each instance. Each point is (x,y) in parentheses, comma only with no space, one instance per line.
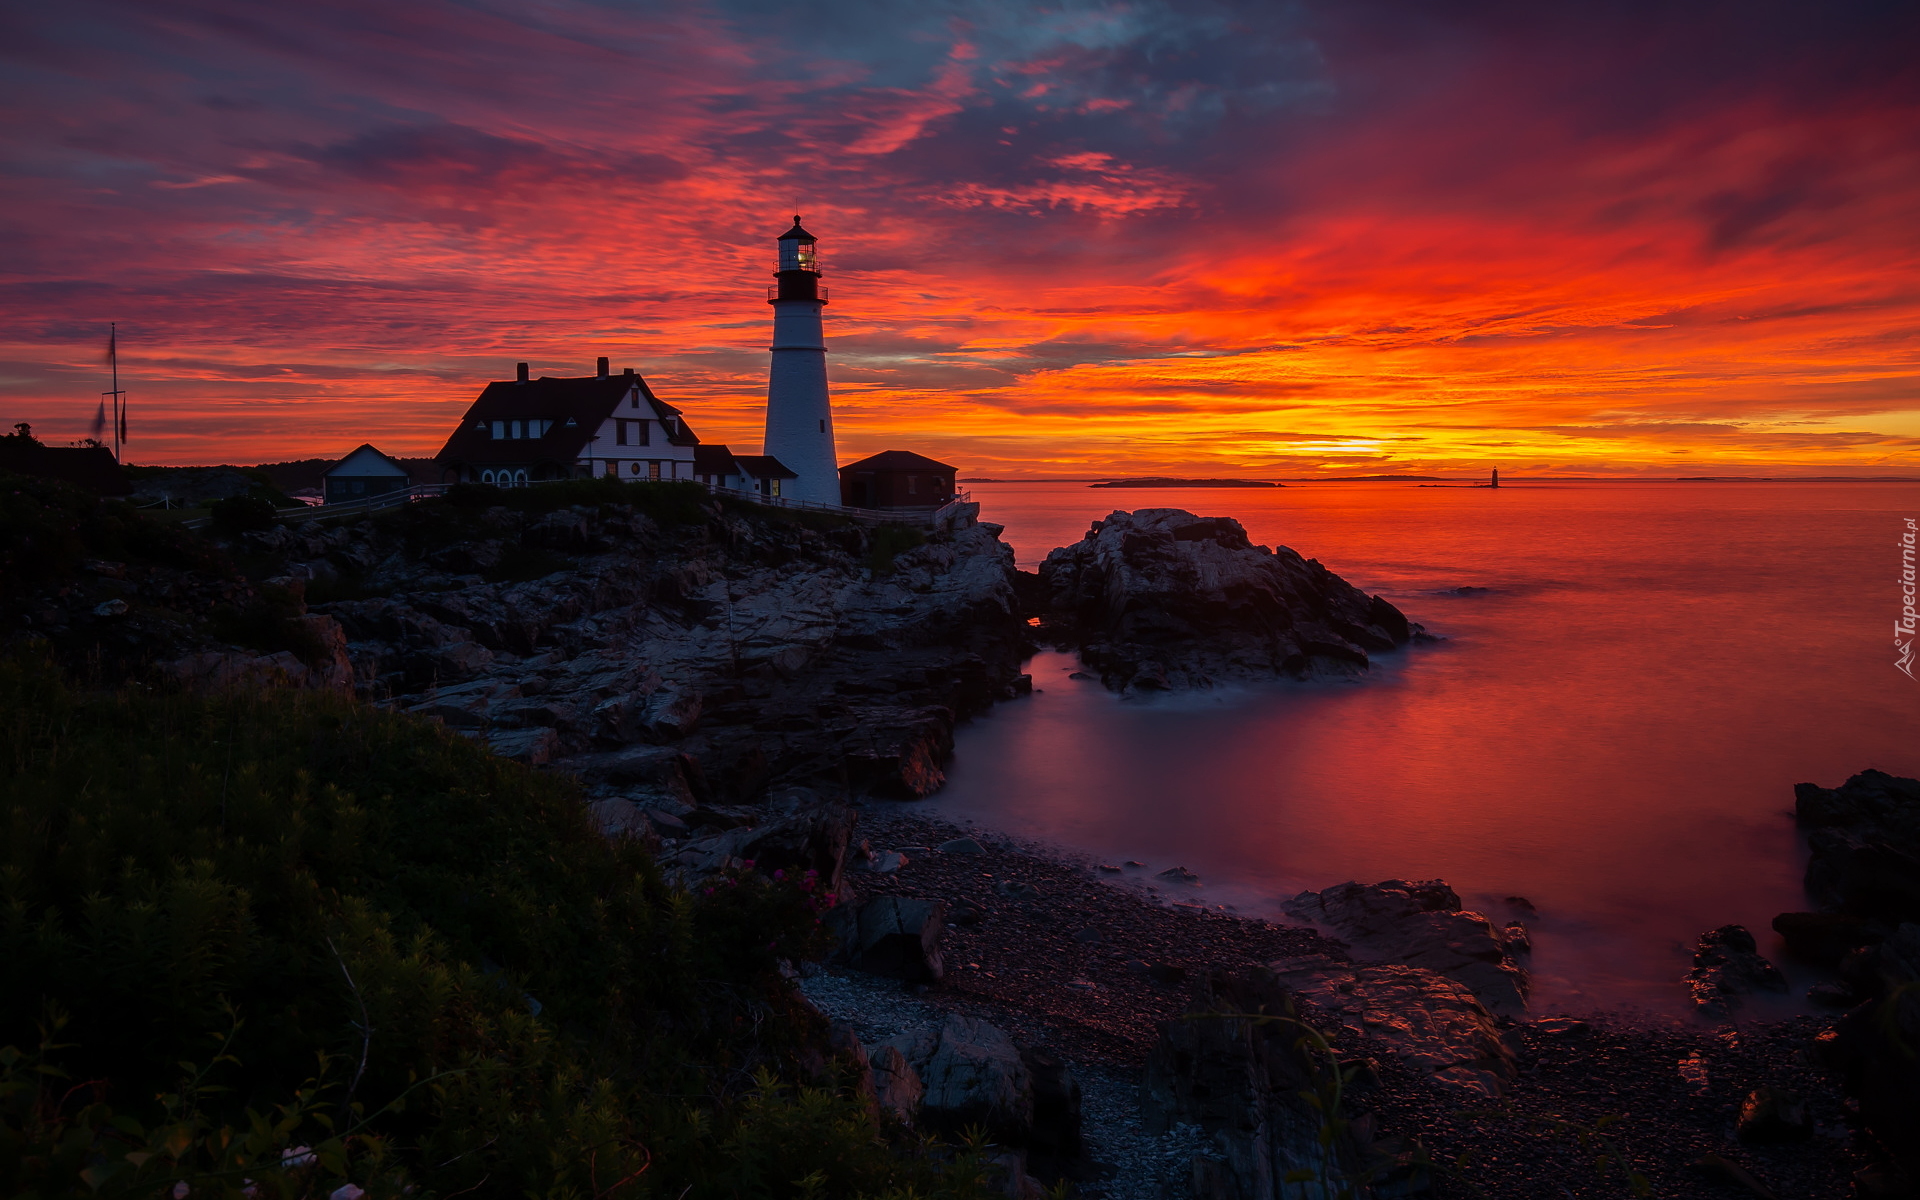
(358,932)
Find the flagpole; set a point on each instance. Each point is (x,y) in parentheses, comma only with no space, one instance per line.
(113,353)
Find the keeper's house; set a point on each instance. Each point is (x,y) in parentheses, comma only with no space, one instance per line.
(526,430)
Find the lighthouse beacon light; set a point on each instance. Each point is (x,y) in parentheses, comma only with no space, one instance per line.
(799,429)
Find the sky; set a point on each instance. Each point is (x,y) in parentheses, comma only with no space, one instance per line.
(1061,240)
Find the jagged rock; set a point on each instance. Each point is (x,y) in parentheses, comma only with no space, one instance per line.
(1421,924)
(620,818)
(896,1085)
(973,1075)
(535,746)
(1160,598)
(1727,966)
(897,753)
(657,771)
(1865,841)
(228,670)
(896,936)
(799,831)
(1244,1083)
(1429,1021)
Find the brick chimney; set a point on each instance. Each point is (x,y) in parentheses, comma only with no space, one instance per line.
(520,372)
(629,370)
(600,366)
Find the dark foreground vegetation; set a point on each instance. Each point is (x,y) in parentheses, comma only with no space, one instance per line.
(281,942)
(239,926)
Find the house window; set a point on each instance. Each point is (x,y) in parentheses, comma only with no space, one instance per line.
(613,468)
(520,478)
(633,468)
(911,480)
(645,433)
(499,431)
(486,477)
(773,487)
(823,425)
(653,470)
(619,433)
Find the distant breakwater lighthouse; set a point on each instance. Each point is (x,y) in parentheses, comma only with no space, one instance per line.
(799,411)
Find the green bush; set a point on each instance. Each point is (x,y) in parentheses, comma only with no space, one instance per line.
(363,923)
(668,503)
(48,528)
(242,514)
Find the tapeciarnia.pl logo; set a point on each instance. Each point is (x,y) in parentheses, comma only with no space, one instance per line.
(1903,629)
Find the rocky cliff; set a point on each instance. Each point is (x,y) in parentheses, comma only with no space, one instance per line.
(1163,599)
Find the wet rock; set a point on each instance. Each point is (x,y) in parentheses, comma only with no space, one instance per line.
(894,936)
(963,845)
(1161,598)
(1420,923)
(897,753)
(1825,938)
(886,862)
(1429,1021)
(797,832)
(1769,1116)
(1864,838)
(1727,966)
(1178,875)
(972,1075)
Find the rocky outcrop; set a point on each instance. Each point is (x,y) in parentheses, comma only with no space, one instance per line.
(1430,1022)
(971,1075)
(1161,598)
(1727,966)
(763,650)
(1263,1101)
(1421,924)
(1864,867)
(797,831)
(1864,839)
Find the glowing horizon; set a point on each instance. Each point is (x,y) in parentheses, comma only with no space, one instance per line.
(1215,239)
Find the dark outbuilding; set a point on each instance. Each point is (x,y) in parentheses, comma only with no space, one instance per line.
(897,479)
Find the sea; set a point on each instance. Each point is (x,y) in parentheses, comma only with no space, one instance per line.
(1631,678)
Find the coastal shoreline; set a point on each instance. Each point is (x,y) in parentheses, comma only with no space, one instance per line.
(1673,1087)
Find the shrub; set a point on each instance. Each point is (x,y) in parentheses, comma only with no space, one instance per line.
(362,918)
(242,514)
(48,528)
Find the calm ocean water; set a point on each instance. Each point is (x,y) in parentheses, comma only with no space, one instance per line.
(1612,728)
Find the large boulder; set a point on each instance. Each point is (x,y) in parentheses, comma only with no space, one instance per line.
(1727,966)
(1420,923)
(1865,841)
(1161,598)
(1430,1022)
(972,1075)
(1253,1090)
(896,936)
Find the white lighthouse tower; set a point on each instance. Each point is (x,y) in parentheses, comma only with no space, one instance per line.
(799,413)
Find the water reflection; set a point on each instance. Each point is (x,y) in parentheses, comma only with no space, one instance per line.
(1612,728)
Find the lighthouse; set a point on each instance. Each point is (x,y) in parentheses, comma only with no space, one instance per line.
(799,414)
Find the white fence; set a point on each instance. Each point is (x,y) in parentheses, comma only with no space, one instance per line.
(427,491)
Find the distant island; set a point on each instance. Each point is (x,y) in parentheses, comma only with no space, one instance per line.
(1162,481)
(1387,478)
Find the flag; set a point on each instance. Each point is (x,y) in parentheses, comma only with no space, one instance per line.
(100,420)
(113,348)
(123,416)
